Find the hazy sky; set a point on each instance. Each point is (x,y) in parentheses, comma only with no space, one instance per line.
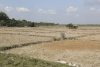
(57,11)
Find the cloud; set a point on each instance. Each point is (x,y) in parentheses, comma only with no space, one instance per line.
(92,8)
(71,9)
(41,11)
(8,9)
(91,2)
(76,15)
(22,9)
(52,11)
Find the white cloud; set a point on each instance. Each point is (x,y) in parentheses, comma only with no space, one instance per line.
(92,8)
(52,11)
(22,9)
(71,9)
(41,11)
(76,15)
(8,9)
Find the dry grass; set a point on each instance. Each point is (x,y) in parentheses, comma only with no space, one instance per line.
(93,38)
(82,52)
(9,39)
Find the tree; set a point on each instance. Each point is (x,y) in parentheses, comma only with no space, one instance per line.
(3,16)
(57,23)
(69,25)
(24,20)
(2,23)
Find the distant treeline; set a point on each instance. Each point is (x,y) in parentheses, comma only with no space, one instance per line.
(6,21)
(45,24)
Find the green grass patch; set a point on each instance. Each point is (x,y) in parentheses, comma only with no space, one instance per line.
(12,60)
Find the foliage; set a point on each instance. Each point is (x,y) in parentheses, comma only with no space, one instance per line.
(11,60)
(63,36)
(45,24)
(3,16)
(71,26)
(56,39)
(2,23)
(5,21)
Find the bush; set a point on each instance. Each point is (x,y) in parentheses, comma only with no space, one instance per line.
(57,39)
(71,26)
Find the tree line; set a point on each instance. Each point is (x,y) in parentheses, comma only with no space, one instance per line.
(6,21)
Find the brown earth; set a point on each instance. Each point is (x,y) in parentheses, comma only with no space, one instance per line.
(72,45)
(82,51)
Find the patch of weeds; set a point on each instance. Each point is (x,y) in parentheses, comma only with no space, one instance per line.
(16,64)
(1,64)
(72,38)
(10,61)
(99,57)
(44,54)
(25,64)
(18,61)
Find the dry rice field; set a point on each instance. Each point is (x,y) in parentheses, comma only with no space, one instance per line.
(85,50)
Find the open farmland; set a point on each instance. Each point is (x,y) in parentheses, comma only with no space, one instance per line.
(85,50)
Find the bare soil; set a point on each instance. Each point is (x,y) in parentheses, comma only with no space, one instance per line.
(73,45)
(84,51)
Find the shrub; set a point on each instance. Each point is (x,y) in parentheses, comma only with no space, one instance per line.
(57,39)
(71,26)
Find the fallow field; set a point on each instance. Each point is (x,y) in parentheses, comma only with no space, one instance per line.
(83,50)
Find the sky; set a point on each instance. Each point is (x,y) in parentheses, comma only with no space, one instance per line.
(54,11)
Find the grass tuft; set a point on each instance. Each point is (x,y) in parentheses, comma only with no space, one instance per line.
(12,60)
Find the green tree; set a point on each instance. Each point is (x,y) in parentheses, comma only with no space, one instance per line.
(70,25)
(2,23)
(3,16)
(24,20)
